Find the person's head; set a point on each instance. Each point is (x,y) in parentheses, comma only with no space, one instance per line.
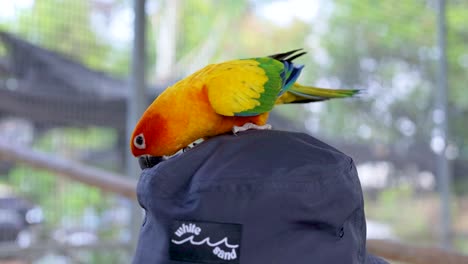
(255,197)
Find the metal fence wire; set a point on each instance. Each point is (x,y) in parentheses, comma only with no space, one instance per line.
(63,83)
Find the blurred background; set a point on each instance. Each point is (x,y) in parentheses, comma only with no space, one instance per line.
(71,86)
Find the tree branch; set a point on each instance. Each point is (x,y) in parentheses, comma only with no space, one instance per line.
(104,180)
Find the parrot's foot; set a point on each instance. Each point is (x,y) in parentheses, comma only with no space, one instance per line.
(193,144)
(247,126)
(187,148)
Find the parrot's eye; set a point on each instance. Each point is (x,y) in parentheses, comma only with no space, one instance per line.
(139,141)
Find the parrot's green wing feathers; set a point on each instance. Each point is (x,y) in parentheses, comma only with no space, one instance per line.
(244,87)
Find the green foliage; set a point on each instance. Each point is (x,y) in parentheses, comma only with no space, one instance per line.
(198,18)
(461,186)
(391,50)
(2,50)
(64,202)
(462,245)
(407,216)
(261,38)
(457,52)
(59,199)
(109,256)
(65,26)
(77,139)
(371,42)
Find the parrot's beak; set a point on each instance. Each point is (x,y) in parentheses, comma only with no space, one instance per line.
(147,161)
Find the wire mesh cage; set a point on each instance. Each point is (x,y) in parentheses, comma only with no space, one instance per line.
(63,94)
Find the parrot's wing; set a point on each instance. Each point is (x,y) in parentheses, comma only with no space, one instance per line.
(244,87)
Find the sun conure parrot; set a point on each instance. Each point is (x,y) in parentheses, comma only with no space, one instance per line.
(220,97)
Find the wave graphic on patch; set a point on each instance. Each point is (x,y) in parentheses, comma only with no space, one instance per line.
(204,241)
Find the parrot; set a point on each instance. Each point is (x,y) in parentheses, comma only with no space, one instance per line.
(229,96)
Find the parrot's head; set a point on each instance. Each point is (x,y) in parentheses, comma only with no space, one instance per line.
(147,136)
(138,145)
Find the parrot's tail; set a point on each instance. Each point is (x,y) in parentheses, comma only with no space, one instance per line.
(305,94)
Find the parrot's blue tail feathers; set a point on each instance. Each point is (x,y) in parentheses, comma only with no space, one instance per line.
(291,71)
(295,72)
(289,75)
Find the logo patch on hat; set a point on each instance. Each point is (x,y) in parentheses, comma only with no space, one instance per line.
(205,242)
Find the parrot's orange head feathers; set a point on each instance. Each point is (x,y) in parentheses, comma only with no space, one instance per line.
(146,135)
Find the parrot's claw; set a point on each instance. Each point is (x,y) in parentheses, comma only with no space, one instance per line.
(193,144)
(247,126)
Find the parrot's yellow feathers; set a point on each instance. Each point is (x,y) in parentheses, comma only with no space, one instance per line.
(235,86)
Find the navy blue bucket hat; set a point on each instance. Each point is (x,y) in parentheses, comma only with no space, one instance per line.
(258,197)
